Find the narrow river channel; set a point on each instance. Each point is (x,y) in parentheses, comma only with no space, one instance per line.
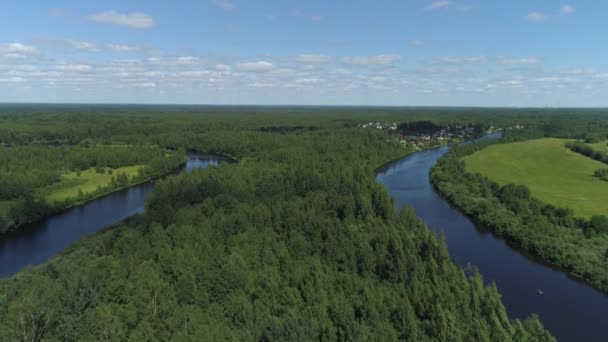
(37,242)
(571,310)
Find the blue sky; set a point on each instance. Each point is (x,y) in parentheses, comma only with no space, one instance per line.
(357,52)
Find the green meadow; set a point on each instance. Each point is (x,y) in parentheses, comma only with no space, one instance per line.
(601,146)
(554,174)
(88,181)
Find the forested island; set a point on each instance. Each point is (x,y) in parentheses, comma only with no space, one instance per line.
(295,241)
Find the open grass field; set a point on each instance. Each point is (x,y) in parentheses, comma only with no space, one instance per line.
(554,174)
(87,182)
(601,146)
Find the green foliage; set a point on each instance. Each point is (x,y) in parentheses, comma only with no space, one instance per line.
(574,244)
(297,241)
(553,174)
(589,151)
(602,174)
(35,171)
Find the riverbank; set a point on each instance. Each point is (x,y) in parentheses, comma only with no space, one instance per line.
(551,234)
(516,275)
(36,242)
(38,207)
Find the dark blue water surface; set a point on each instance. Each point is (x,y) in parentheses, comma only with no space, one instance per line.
(571,310)
(37,242)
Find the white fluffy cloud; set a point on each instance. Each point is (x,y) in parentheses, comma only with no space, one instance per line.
(224,4)
(223,67)
(516,61)
(132,20)
(122,48)
(372,60)
(446,4)
(567,9)
(261,66)
(187,60)
(307,58)
(67,44)
(536,17)
(74,67)
(81,45)
(14,79)
(17,50)
(464,60)
(417,42)
(435,5)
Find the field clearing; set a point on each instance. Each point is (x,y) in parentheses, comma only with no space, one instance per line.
(601,146)
(88,182)
(554,174)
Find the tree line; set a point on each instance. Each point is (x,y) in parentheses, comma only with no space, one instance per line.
(296,241)
(551,233)
(25,171)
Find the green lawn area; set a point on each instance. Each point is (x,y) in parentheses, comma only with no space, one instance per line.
(554,174)
(601,146)
(88,181)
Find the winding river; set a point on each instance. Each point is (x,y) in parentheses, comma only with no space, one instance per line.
(571,310)
(37,242)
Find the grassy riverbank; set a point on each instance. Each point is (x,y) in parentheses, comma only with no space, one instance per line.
(37,181)
(553,173)
(504,197)
(75,184)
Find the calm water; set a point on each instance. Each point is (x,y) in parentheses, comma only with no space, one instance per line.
(38,242)
(570,310)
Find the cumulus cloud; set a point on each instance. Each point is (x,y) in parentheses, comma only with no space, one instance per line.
(69,44)
(313,59)
(132,20)
(446,4)
(435,5)
(17,50)
(14,79)
(224,4)
(308,16)
(601,76)
(261,66)
(81,45)
(260,85)
(417,42)
(308,81)
(512,84)
(464,60)
(187,60)
(536,17)
(144,85)
(372,60)
(121,48)
(567,9)
(74,67)
(223,67)
(342,72)
(517,61)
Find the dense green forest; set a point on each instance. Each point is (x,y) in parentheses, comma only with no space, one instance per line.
(296,241)
(575,245)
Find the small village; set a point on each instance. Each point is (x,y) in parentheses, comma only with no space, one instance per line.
(420,135)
